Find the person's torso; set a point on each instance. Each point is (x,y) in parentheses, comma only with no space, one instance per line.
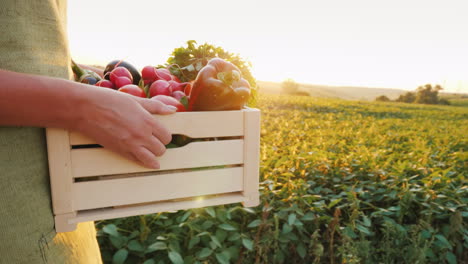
(33,40)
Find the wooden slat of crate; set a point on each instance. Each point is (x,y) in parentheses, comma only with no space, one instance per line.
(251,156)
(165,206)
(100,161)
(192,124)
(115,192)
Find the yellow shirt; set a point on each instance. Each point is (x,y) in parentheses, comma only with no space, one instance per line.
(33,39)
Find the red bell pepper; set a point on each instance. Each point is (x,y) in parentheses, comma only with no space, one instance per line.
(218,86)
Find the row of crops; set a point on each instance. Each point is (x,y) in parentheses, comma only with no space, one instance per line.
(341,182)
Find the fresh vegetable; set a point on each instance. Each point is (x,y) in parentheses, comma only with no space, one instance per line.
(88,79)
(218,86)
(148,74)
(121,81)
(84,75)
(164,74)
(168,100)
(136,77)
(120,72)
(160,87)
(120,76)
(186,61)
(177,86)
(188,88)
(151,74)
(178,95)
(105,83)
(133,90)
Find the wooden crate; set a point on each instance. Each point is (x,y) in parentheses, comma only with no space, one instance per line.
(91,183)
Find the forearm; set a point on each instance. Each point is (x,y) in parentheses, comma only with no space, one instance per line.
(118,121)
(30,100)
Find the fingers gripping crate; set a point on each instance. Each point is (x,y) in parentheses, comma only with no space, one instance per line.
(90,183)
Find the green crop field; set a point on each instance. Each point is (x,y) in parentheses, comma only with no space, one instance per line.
(341,182)
(459,102)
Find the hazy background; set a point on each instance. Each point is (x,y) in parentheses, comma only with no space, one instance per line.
(392,44)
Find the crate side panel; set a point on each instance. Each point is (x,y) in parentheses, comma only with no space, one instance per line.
(100,161)
(192,124)
(115,192)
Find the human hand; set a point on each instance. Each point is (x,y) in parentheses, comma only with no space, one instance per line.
(124,124)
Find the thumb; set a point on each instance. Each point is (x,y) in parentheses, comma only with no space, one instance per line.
(157,107)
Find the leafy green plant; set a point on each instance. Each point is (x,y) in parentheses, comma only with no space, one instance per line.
(341,182)
(186,62)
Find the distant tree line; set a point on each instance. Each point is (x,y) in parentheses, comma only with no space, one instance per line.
(425,94)
(289,86)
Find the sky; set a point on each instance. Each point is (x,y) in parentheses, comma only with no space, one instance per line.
(374,43)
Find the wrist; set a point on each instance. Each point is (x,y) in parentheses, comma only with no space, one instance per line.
(84,101)
(75,107)
(89,106)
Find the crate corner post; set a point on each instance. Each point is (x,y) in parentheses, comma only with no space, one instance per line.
(61,178)
(63,222)
(251,157)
